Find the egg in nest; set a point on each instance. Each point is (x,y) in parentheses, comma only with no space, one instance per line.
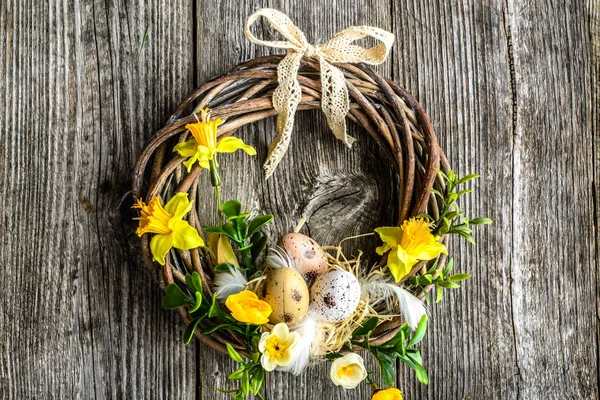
(286,292)
(335,295)
(308,256)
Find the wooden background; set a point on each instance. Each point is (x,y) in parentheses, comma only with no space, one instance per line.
(511,87)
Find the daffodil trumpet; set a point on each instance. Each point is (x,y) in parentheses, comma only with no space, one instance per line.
(408,244)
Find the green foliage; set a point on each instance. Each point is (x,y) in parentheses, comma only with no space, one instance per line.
(203,308)
(244,232)
(401,347)
(440,278)
(250,374)
(452,219)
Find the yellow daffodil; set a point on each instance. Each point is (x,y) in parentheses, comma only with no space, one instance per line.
(204,146)
(348,371)
(387,394)
(246,307)
(168,226)
(407,245)
(278,347)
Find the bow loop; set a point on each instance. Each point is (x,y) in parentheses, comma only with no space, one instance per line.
(335,100)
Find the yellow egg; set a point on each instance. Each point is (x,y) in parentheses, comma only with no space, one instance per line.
(308,257)
(286,292)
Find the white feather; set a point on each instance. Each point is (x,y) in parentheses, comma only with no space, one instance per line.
(411,308)
(278,258)
(228,283)
(310,330)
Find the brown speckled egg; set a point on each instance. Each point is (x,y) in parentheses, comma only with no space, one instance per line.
(286,292)
(335,295)
(309,258)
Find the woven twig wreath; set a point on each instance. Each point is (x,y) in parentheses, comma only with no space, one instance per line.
(385,317)
(242,96)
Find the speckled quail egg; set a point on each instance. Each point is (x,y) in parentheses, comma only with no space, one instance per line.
(287,293)
(308,257)
(335,295)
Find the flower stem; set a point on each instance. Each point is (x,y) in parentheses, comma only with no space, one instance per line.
(215,181)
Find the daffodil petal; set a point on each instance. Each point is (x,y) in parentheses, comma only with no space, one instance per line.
(186,149)
(429,251)
(160,246)
(390,235)
(185,237)
(382,249)
(178,206)
(190,163)
(400,263)
(231,144)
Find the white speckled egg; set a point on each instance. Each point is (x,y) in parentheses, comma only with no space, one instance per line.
(335,295)
(308,257)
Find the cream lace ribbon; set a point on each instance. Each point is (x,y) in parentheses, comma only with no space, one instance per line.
(335,101)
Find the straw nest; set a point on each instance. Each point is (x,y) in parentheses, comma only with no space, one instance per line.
(386,111)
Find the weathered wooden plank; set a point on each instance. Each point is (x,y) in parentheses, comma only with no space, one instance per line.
(78,100)
(319,178)
(453,56)
(553,163)
(507,88)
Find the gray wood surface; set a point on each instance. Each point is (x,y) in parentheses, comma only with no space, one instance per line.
(512,88)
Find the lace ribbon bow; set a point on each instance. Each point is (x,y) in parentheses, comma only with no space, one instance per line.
(335,101)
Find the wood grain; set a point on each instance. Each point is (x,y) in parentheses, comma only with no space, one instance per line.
(80,318)
(512,91)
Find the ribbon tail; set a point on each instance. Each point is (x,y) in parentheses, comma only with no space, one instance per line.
(335,101)
(286,98)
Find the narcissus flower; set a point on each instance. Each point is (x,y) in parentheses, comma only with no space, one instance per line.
(246,307)
(348,371)
(387,394)
(407,245)
(168,226)
(204,146)
(278,347)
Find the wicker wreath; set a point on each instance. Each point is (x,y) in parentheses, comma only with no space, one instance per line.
(392,117)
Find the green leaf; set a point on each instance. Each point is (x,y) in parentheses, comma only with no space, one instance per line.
(258,222)
(237,374)
(414,355)
(437,193)
(481,221)
(467,178)
(439,295)
(367,327)
(175,298)
(231,208)
(387,368)
(213,229)
(214,307)
(238,217)
(235,356)
(257,380)
(448,285)
(468,237)
(421,374)
(193,282)
(419,332)
(198,303)
(225,267)
(230,231)
(245,383)
(439,171)
(449,267)
(258,244)
(188,333)
(459,277)
(242,228)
